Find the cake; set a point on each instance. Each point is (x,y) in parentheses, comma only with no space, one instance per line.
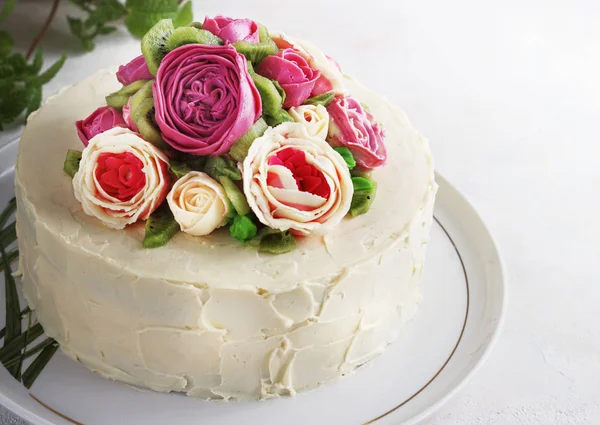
(316,275)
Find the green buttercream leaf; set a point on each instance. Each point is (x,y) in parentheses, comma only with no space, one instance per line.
(160,227)
(235,195)
(243,228)
(240,148)
(217,166)
(72,160)
(347,155)
(278,243)
(322,99)
(365,190)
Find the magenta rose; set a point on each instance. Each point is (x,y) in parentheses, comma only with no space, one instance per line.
(205,98)
(353,126)
(133,71)
(231,30)
(293,74)
(102,119)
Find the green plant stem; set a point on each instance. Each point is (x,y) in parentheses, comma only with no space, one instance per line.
(42,32)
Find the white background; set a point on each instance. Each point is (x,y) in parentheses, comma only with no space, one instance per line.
(508,93)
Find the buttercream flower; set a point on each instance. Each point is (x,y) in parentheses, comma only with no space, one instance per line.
(353,126)
(231,30)
(331,78)
(292,73)
(204,98)
(102,119)
(296,181)
(135,70)
(127,116)
(198,203)
(314,118)
(121,178)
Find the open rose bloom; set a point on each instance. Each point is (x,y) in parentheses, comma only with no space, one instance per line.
(205,99)
(121,178)
(296,181)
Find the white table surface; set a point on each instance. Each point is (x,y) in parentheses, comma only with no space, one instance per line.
(508,92)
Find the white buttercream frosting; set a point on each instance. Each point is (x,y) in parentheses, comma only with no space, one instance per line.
(314,118)
(206,315)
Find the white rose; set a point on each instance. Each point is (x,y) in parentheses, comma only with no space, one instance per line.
(293,180)
(314,118)
(198,203)
(121,178)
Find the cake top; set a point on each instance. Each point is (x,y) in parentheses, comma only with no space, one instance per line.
(222,124)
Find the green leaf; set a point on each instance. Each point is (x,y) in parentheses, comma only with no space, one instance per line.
(322,99)
(242,228)
(36,367)
(25,311)
(51,72)
(31,351)
(6,44)
(184,15)
(235,196)
(12,257)
(347,156)
(8,211)
(13,347)
(105,30)
(9,5)
(365,190)
(106,11)
(13,103)
(38,61)
(156,6)
(140,22)
(8,235)
(240,148)
(34,101)
(13,316)
(160,227)
(72,160)
(217,166)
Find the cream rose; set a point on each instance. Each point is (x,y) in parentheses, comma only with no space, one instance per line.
(198,203)
(296,181)
(314,118)
(121,178)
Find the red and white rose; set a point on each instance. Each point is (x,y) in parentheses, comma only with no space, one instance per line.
(121,178)
(295,181)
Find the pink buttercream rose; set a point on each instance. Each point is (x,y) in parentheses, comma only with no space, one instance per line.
(231,30)
(205,98)
(293,74)
(127,116)
(353,126)
(134,71)
(102,119)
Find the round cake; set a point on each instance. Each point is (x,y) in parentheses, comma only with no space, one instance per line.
(208,315)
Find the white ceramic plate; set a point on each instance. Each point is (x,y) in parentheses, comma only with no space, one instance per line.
(455,327)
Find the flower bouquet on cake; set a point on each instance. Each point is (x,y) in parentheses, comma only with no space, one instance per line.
(223,124)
